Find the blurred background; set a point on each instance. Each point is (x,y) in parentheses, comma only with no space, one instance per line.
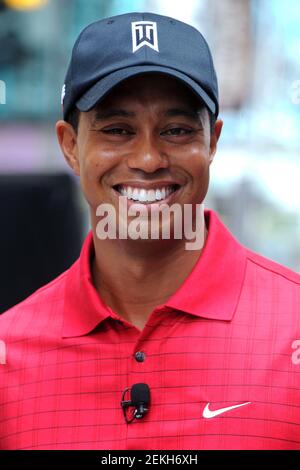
(255,177)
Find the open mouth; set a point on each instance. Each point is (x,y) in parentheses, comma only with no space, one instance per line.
(146,196)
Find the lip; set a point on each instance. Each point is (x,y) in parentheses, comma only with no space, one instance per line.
(153,205)
(148,184)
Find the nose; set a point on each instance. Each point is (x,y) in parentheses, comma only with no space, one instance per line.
(147,155)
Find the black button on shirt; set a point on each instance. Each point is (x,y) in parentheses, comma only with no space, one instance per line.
(140,356)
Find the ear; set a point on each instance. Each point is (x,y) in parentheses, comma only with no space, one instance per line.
(215,135)
(67,139)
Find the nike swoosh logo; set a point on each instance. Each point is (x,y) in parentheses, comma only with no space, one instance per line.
(207,413)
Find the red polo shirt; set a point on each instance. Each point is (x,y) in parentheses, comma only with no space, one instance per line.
(220,357)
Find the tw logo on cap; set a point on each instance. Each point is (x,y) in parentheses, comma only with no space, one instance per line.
(144,33)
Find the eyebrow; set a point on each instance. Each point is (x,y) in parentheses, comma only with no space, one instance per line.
(103,114)
(186,112)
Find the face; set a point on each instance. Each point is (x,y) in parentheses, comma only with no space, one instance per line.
(149,140)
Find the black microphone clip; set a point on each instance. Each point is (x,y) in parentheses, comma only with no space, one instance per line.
(139,399)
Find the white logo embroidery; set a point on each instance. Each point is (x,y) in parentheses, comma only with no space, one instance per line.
(144,33)
(2,352)
(207,413)
(63,92)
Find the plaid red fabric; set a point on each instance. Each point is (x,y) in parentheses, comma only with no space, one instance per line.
(220,358)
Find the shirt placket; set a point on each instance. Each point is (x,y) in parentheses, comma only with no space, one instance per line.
(140,370)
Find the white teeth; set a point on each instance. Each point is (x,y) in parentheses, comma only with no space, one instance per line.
(151,195)
(145,195)
(158,195)
(135,194)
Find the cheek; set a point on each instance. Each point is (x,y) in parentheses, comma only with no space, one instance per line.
(96,160)
(196,160)
(95,165)
(196,164)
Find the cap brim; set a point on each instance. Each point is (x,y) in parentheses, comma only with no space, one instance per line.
(106,84)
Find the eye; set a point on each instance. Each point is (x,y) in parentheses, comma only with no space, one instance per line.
(177,131)
(117,131)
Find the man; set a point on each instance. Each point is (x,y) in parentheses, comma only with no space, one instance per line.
(147,342)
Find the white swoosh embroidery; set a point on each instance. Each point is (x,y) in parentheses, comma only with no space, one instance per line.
(207,413)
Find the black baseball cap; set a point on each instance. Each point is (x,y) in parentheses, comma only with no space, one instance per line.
(114,49)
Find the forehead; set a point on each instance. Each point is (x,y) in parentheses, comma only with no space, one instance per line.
(152,88)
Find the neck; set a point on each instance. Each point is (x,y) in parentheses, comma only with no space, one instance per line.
(133,277)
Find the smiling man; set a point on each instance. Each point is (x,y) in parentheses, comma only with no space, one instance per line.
(150,141)
(147,342)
